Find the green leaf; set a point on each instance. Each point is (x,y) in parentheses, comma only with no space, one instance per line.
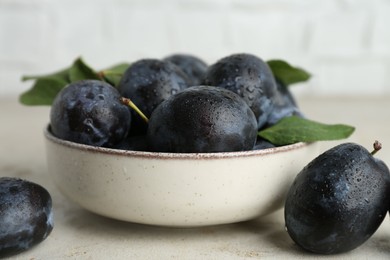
(46,87)
(43,91)
(295,129)
(113,75)
(62,75)
(80,70)
(286,73)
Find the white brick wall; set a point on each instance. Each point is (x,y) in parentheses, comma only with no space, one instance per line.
(344,43)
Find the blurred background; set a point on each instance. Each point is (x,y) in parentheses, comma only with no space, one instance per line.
(345,44)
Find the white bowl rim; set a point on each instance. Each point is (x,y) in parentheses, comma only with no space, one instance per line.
(165,155)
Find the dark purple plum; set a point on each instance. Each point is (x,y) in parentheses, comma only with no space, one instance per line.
(284,105)
(338,200)
(90,112)
(26,217)
(249,77)
(285,92)
(202,119)
(262,144)
(192,66)
(148,82)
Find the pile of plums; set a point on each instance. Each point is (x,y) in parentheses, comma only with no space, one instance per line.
(192,107)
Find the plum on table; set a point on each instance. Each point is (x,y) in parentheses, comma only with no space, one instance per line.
(338,200)
(26,216)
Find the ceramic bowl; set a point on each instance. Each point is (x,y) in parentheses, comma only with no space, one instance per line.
(173,189)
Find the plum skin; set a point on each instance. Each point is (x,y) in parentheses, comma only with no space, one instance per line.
(192,66)
(284,105)
(202,119)
(90,112)
(148,82)
(26,216)
(248,76)
(338,200)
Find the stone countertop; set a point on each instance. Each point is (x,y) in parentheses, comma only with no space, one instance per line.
(79,234)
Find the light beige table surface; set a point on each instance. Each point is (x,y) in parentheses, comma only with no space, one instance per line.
(79,234)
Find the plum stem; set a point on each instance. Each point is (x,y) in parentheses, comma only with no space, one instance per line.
(130,103)
(377,146)
(100,75)
(109,72)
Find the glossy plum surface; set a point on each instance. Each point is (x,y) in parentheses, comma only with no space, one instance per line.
(192,66)
(249,77)
(284,105)
(148,82)
(26,217)
(338,200)
(90,112)
(202,119)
